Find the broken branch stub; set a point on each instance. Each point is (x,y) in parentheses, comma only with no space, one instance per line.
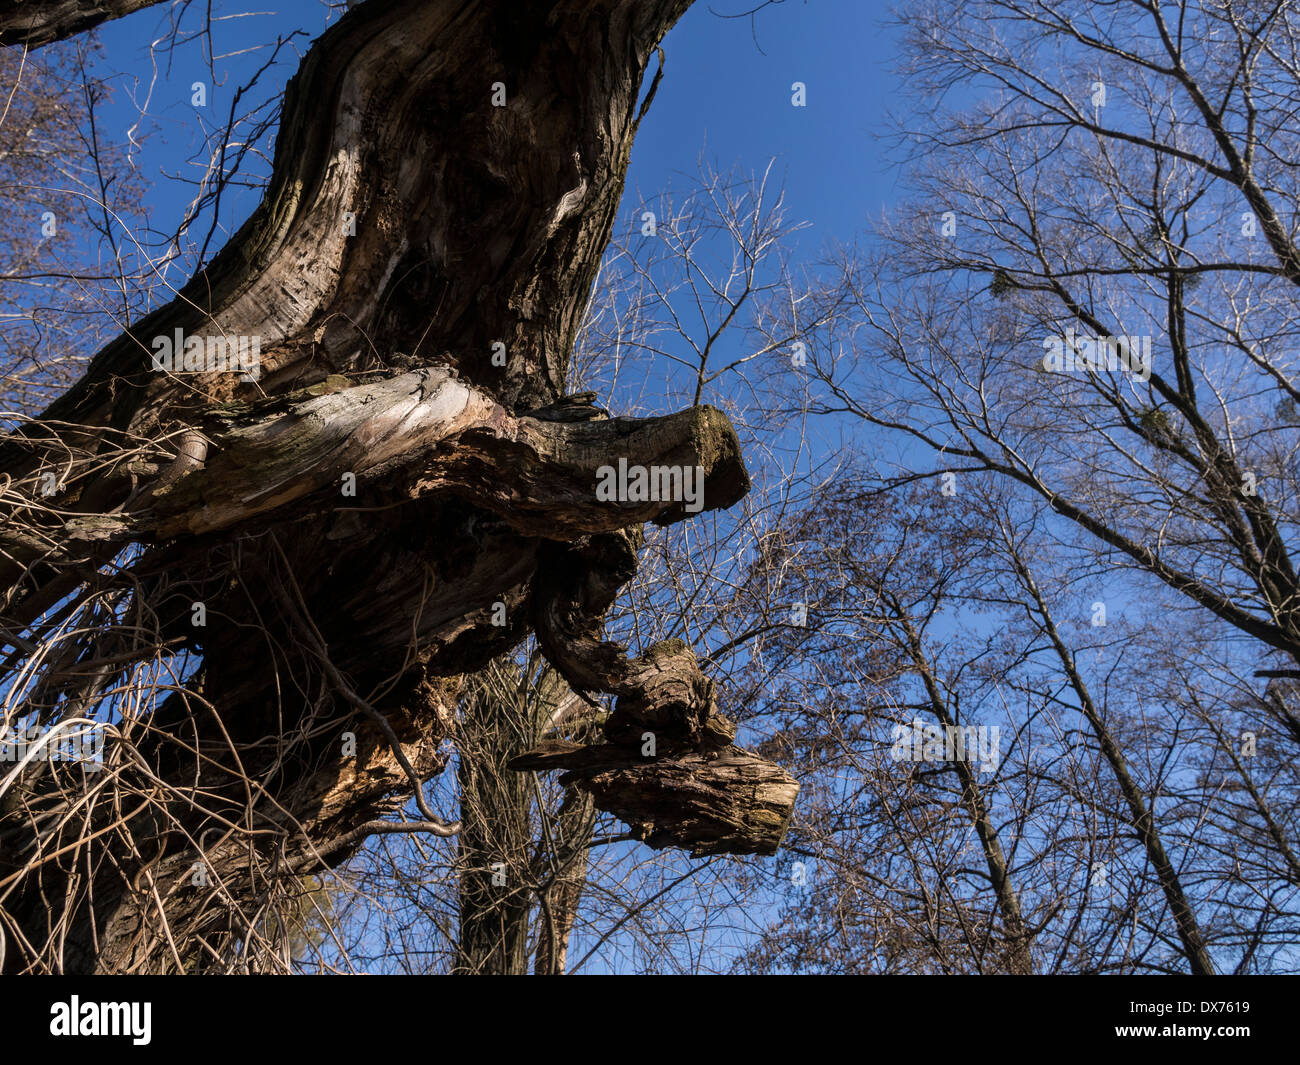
(668,768)
(425,430)
(727,802)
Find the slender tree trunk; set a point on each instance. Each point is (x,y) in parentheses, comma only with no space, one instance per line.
(567,873)
(1180,907)
(1019,946)
(495,839)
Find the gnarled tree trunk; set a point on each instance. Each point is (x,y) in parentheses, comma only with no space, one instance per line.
(381,512)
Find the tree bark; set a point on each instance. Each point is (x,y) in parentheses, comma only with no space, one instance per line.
(37,22)
(494,842)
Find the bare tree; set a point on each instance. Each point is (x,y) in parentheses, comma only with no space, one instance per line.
(988,787)
(72,274)
(1099,204)
(1088,297)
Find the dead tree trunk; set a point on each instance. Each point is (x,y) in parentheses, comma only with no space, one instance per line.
(445,180)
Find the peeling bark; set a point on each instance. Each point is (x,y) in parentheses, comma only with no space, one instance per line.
(425,430)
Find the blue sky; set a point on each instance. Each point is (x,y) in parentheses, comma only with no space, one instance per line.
(722,94)
(726,92)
